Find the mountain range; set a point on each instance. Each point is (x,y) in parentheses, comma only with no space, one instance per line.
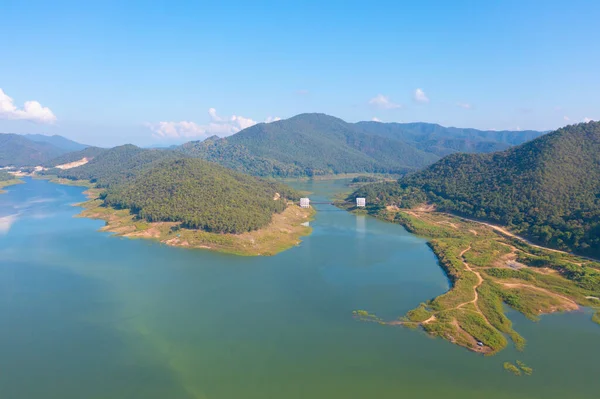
(304,145)
(318,144)
(33,149)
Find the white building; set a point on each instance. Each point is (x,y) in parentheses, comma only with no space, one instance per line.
(304,202)
(361,202)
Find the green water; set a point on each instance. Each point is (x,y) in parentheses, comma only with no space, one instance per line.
(86,315)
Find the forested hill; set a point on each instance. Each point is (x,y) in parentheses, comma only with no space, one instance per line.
(16,150)
(33,149)
(547,189)
(88,152)
(201,195)
(442,140)
(57,141)
(116,165)
(163,185)
(309,144)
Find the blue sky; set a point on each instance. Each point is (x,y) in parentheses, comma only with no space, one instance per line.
(111,72)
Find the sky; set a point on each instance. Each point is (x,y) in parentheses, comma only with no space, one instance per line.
(156,73)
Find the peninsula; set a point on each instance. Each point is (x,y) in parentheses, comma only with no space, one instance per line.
(533,190)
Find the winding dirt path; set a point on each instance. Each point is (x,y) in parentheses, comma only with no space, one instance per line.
(506,232)
(479,280)
(475,287)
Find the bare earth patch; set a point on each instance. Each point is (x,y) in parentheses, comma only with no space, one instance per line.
(74,164)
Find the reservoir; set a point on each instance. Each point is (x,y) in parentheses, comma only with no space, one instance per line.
(84,314)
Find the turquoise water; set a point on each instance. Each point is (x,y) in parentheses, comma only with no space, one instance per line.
(87,315)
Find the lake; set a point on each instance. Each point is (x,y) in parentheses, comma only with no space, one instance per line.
(84,314)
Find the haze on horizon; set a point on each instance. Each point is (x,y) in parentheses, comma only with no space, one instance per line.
(111,73)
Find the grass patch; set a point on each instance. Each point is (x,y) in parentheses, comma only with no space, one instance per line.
(526,370)
(364,315)
(508,366)
(418,314)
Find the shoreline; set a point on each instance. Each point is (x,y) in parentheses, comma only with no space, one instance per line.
(487,269)
(8,183)
(284,231)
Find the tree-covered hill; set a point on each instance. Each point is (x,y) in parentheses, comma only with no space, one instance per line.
(201,195)
(309,144)
(164,185)
(89,153)
(547,189)
(18,151)
(116,165)
(57,141)
(442,140)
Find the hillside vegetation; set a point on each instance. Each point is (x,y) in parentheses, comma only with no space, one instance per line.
(89,153)
(57,141)
(319,144)
(307,145)
(116,165)
(16,150)
(167,186)
(547,189)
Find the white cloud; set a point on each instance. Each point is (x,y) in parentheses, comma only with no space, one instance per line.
(384,102)
(463,105)
(420,96)
(31,111)
(218,125)
(587,120)
(213,115)
(376,119)
(566,118)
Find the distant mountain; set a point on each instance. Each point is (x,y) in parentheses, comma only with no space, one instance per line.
(443,141)
(17,150)
(57,141)
(89,153)
(309,144)
(547,189)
